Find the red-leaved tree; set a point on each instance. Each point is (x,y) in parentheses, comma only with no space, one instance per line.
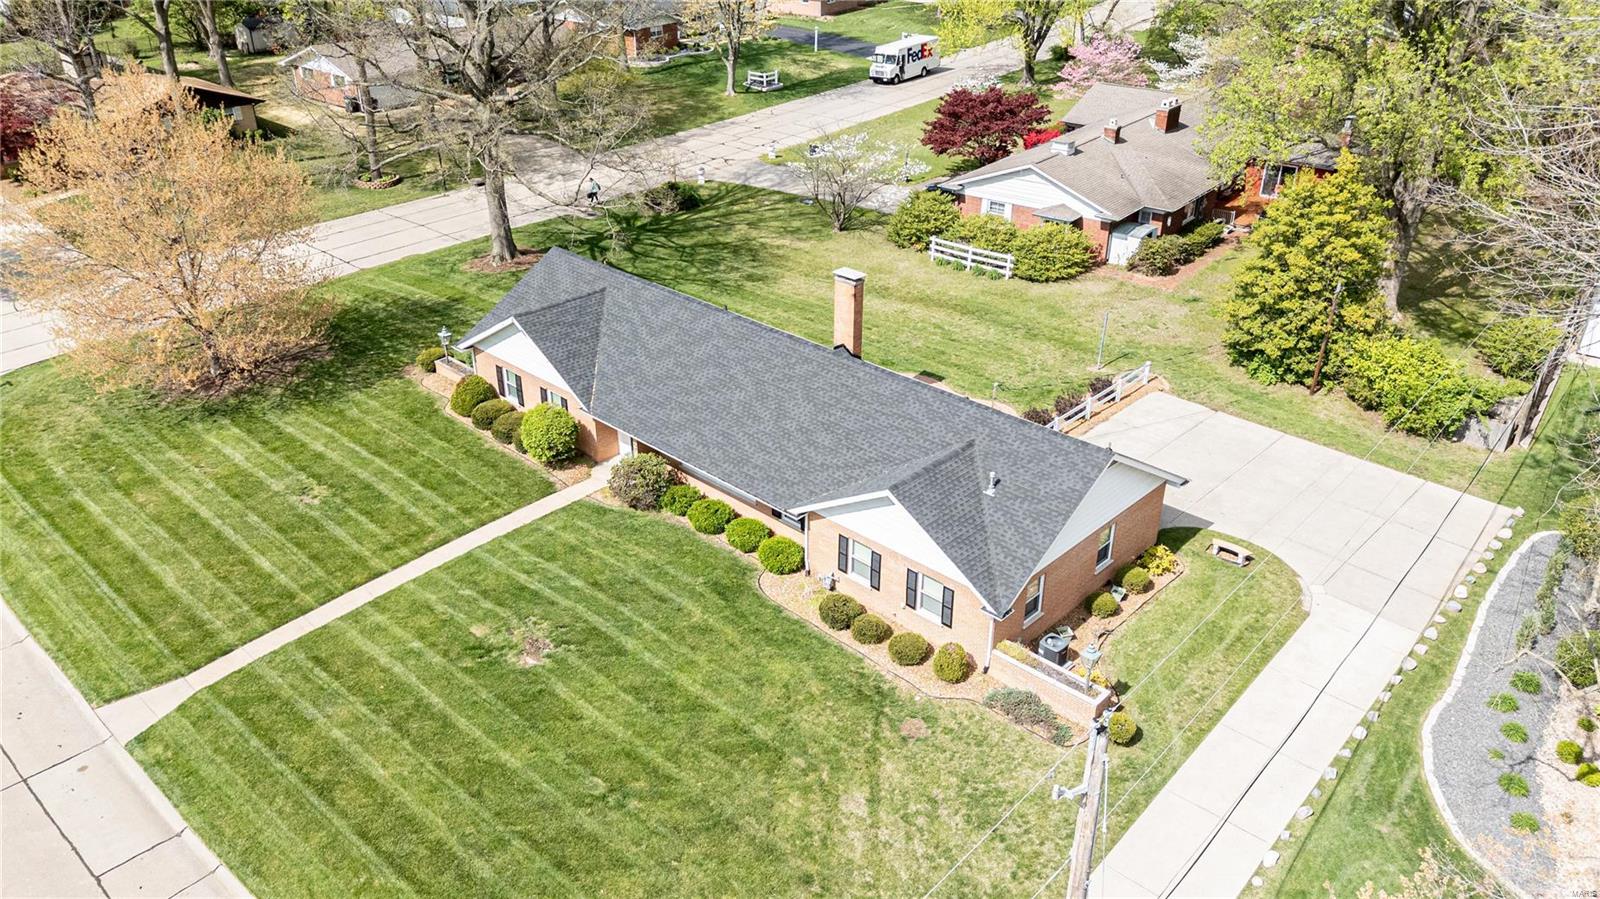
(1039,136)
(983,125)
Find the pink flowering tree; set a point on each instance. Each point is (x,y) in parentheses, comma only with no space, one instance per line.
(1102,59)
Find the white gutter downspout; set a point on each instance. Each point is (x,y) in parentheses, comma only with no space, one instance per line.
(989,656)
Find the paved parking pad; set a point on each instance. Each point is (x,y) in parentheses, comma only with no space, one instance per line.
(1376,550)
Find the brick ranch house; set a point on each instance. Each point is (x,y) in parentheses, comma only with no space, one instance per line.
(644,29)
(944,516)
(328,74)
(1125,167)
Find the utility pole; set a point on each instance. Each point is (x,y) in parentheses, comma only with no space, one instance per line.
(1322,354)
(1083,833)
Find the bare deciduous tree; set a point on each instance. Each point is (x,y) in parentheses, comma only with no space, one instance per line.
(726,25)
(159,24)
(171,265)
(207,10)
(66,29)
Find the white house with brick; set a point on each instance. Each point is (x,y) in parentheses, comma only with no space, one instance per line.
(944,516)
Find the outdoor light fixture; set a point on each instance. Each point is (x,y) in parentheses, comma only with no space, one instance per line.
(1089,656)
(444,339)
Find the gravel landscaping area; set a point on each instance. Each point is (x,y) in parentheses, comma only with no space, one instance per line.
(1487,741)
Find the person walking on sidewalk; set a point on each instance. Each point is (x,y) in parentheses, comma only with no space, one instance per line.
(592,191)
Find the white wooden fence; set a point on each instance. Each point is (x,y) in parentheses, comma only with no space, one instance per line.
(970,256)
(1124,383)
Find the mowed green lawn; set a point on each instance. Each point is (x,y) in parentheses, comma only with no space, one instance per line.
(139,541)
(685,737)
(769,256)
(874,25)
(690,92)
(1177,699)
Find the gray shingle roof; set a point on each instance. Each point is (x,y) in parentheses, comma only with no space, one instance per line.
(794,423)
(1145,168)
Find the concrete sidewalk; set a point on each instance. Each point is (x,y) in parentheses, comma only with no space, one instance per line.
(1378,551)
(78,816)
(728,150)
(130,716)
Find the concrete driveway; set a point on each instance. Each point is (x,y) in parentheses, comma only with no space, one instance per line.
(1378,551)
(78,816)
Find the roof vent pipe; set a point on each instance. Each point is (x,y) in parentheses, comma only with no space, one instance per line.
(994,481)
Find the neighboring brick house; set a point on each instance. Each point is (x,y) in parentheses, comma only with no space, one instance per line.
(644,29)
(1126,167)
(329,74)
(946,517)
(817,9)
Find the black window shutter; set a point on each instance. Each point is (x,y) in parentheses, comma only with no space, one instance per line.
(911,589)
(844,553)
(877,562)
(500,379)
(948,607)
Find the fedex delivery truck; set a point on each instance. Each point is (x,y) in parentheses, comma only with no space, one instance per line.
(908,57)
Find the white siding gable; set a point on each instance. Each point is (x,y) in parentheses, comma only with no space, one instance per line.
(512,345)
(1119,486)
(1027,187)
(885,523)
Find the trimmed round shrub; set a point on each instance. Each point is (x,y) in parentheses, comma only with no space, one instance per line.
(950,663)
(907,648)
(639,480)
(1158,255)
(1135,579)
(1586,724)
(780,555)
(1050,252)
(472,390)
(838,611)
(1201,238)
(486,413)
(1159,560)
(508,428)
(989,232)
(1588,774)
(1516,346)
(1103,605)
(678,498)
(1022,706)
(870,629)
(1122,728)
(549,433)
(1569,751)
(920,217)
(746,534)
(428,356)
(711,516)
(1575,658)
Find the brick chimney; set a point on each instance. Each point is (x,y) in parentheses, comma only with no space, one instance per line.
(1167,113)
(849,294)
(1112,131)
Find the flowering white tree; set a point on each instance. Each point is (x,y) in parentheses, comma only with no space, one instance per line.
(844,173)
(1102,59)
(1196,61)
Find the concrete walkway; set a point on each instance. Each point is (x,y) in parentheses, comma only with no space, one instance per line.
(1378,550)
(130,716)
(729,150)
(78,816)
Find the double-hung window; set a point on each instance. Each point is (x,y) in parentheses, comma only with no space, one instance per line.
(510,385)
(1033,599)
(1274,177)
(996,207)
(1102,553)
(554,399)
(1146,216)
(860,561)
(929,598)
